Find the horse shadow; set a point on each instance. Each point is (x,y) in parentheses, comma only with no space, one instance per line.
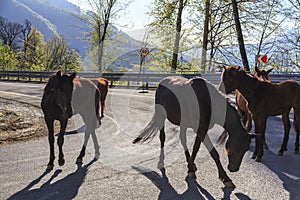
(194,189)
(66,188)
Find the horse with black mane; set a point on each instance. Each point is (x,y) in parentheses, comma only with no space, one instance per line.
(64,96)
(195,103)
(265,99)
(241,102)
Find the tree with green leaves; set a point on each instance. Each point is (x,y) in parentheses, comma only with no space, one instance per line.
(8,59)
(168,28)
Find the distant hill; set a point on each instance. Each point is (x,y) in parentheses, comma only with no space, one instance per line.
(60,17)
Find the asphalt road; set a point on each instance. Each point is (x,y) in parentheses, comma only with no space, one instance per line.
(127,171)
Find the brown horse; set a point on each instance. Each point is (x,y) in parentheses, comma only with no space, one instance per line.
(102,85)
(65,95)
(241,102)
(265,99)
(195,103)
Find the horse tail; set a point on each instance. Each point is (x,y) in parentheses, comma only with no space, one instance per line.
(155,124)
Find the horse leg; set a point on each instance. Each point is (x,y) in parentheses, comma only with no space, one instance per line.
(162,138)
(51,139)
(183,143)
(191,162)
(249,121)
(287,126)
(103,97)
(60,141)
(96,144)
(297,143)
(261,137)
(255,118)
(297,128)
(214,154)
(82,152)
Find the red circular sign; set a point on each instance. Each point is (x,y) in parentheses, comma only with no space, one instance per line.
(144,51)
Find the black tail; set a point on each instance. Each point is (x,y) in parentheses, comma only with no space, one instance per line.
(149,132)
(156,123)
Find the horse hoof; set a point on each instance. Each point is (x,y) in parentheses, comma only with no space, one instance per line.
(280,153)
(191,175)
(61,162)
(229,184)
(49,167)
(97,155)
(258,160)
(160,165)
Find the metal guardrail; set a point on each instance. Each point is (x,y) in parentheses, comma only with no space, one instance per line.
(129,78)
(119,77)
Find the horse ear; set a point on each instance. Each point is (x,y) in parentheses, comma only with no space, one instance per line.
(269,70)
(257,71)
(58,74)
(73,75)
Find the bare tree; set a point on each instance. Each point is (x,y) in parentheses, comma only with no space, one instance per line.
(10,33)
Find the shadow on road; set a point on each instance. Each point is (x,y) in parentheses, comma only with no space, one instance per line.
(288,170)
(66,188)
(194,190)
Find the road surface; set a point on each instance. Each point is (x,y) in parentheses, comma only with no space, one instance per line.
(127,171)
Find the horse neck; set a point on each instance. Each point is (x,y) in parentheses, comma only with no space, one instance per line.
(247,85)
(232,121)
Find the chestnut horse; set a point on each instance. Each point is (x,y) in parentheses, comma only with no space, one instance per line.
(265,99)
(102,85)
(197,104)
(65,95)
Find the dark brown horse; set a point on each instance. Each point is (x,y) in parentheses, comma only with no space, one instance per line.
(102,85)
(65,95)
(241,102)
(195,103)
(265,99)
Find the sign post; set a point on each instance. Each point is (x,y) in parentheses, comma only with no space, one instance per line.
(143,53)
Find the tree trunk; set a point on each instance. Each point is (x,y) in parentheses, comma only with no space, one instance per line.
(205,36)
(177,37)
(240,35)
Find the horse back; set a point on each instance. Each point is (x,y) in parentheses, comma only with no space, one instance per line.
(85,94)
(186,101)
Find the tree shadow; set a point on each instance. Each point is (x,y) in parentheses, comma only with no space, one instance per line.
(194,190)
(66,188)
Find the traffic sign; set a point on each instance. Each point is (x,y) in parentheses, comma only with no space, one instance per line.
(261,58)
(144,51)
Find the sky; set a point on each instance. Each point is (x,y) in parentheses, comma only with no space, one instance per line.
(135,14)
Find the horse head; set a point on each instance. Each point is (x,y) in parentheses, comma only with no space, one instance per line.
(62,93)
(229,79)
(262,75)
(236,147)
